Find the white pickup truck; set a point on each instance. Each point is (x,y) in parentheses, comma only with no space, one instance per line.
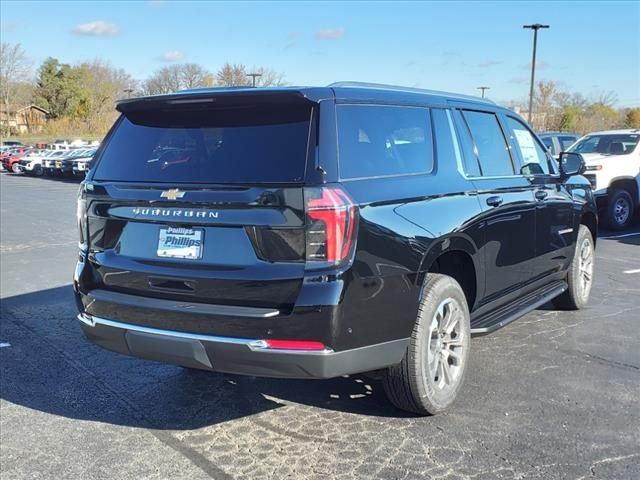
(613,168)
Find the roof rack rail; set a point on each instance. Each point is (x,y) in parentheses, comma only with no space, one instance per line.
(382,86)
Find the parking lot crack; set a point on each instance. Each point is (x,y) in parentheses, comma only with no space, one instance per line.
(608,361)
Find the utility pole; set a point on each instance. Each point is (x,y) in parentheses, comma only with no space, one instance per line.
(482,89)
(253,77)
(535,27)
(128,91)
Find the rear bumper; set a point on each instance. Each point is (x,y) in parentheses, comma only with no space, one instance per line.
(243,356)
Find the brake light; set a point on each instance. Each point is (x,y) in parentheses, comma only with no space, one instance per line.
(331,219)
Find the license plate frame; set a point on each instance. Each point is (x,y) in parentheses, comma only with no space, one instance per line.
(180,243)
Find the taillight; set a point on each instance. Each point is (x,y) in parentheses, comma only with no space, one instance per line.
(81,215)
(331,221)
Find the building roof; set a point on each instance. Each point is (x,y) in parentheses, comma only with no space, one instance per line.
(13,108)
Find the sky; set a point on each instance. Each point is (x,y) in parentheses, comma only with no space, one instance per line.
(591,47)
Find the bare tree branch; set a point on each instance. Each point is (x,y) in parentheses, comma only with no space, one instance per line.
(15,67)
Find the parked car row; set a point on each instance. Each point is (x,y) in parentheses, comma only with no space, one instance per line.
(51,162)
(613,168)
(557,142)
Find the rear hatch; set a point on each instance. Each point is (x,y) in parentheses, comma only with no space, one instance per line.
(202,200)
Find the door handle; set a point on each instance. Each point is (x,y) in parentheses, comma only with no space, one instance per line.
(494,201)
(541,194)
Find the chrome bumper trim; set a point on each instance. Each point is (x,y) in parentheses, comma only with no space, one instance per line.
(257,345)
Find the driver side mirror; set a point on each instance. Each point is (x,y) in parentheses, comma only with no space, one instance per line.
(571,163)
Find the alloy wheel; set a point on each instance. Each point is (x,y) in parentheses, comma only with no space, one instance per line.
(585,268)
(445,347)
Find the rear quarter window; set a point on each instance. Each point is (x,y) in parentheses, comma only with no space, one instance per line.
(490,144)
(379,141)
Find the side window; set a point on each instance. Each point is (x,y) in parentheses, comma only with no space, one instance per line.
(447,148)
(490,145)
(532,156)
(375,141)
(548,142)
(470,159)
(566,142)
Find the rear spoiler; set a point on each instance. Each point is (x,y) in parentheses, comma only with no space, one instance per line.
(225,97)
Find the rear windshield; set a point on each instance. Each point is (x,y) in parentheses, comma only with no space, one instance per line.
(248,144)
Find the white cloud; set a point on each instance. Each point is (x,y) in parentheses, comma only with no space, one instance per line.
(489,63)
(97,28)
(539,65)
(330,33)
(292,39)
(172,56)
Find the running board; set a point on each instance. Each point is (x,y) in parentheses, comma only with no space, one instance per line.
(497,319)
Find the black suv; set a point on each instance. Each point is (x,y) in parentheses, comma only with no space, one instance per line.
(318,232)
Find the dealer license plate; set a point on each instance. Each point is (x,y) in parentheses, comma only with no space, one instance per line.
(180,243)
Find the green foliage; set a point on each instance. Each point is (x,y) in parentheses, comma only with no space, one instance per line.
(82,95)
(58,88)
(632,119)
(569,119)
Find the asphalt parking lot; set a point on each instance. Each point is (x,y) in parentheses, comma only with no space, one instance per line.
(555,395)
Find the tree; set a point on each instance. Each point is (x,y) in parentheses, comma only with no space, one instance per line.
(268,77)
(58,87)
(177,77)
(608,99)
(233,75)
(632,118)
(544,96)
(102,85)
(193,75)
(14,69)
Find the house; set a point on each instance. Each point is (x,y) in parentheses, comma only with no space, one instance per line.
(16,119)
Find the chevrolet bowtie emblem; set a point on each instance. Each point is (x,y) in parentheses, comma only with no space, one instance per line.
(172,194)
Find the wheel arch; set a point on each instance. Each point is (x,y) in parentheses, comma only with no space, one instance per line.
(457,257)
(630,184)
(590,220)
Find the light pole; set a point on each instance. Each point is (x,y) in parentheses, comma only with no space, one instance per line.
(482,89)
(535,27)
(128,91)
(253,77)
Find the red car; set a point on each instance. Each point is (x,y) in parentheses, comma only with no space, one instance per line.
(10,159)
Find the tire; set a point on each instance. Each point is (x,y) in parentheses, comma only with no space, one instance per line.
(619,210)
(37,170)
(580,274)
(418,384)
(15,168)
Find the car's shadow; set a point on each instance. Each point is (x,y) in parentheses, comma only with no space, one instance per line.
(629,236)
(50,367)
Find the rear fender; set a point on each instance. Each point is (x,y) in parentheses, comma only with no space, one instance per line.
(461,243)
